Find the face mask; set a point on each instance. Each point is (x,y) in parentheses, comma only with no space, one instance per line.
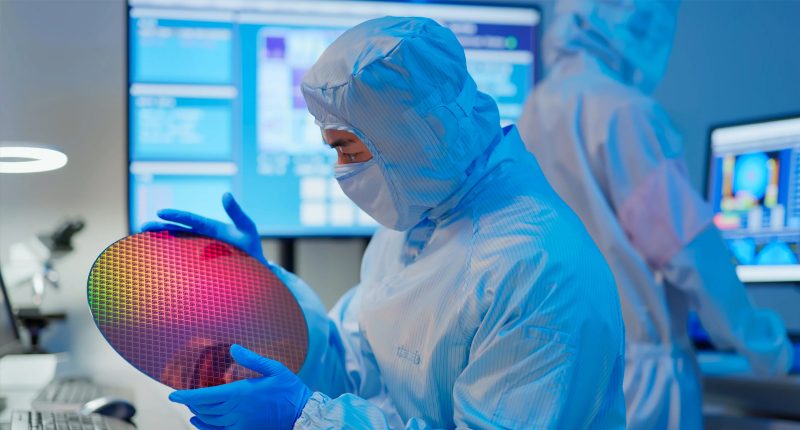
(366,186)
(344,170)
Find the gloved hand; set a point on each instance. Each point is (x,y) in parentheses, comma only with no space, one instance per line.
(273,401)
(242,233)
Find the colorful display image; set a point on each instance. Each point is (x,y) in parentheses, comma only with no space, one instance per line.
(284,56)
(772,253)
(172,304)
(239,122)
(750,192)
(777,253)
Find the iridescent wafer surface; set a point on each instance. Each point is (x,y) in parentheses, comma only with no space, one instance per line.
(171,304)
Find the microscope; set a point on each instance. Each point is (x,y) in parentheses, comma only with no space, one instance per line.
(31,264)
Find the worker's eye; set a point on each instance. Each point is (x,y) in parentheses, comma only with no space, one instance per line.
(351,156)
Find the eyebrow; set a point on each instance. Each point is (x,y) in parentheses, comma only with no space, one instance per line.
(340,142)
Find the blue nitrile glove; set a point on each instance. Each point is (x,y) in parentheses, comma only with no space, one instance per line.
(273,401)
(796,365)
(242,233)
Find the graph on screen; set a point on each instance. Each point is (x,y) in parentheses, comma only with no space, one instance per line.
(754,185)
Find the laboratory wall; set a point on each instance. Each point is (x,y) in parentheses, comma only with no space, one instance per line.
(732,60)
(62,82)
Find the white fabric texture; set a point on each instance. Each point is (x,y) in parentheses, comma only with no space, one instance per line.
(495,310)
(611,153)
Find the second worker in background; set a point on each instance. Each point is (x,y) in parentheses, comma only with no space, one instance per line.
(610,152)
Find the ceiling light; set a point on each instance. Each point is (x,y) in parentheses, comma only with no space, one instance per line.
(29,159)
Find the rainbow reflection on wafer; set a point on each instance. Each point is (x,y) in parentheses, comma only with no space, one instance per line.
(171,304)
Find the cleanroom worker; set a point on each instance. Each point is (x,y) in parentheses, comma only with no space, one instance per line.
(610,152)
(483,302)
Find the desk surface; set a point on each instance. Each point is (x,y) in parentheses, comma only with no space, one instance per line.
(727,379)
(153,410)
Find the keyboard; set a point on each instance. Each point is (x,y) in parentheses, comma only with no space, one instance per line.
(33,420)
(69,391)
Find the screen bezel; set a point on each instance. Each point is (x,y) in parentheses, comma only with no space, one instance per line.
(709,168)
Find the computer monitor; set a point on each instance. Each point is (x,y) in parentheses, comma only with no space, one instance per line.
(9,332)
(214,102)
(754,186)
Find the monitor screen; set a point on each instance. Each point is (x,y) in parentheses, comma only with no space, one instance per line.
(214,102)
(754,186)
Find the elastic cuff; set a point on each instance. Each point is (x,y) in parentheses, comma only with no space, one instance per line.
(311,417)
